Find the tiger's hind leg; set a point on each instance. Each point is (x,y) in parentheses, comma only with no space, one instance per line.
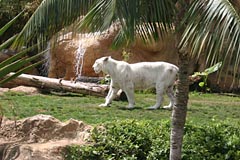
(159,97)
(170,94)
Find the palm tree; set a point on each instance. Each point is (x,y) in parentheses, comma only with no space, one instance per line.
(210,28)
(18,62)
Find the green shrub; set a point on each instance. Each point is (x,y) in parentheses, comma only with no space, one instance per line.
(218,141)
(147,140)
(128,139)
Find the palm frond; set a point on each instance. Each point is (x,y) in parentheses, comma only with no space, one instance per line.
(16,56)
(9,24)
(213,29)
(148,19)
(50,17)
(16,65)
(100,16)
(8,42)
(19,72)
(5,28)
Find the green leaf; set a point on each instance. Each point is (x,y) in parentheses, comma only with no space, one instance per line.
(214,68)
(9,24)
(212,29)
(49,18)
(201,84)
(199,74)
(149,20)
(7,43)
(11,67)
(23,70)
(16,57)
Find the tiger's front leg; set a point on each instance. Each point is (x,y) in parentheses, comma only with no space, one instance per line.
(129,91)
(111,95)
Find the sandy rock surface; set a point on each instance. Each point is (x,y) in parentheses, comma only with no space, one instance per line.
(41,137)
(21,89)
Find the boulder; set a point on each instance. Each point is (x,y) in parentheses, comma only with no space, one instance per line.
(25,89)
(40,137)
(3,90)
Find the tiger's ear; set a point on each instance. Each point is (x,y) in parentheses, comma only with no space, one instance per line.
(105,59)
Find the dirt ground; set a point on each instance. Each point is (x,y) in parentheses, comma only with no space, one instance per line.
(41,137)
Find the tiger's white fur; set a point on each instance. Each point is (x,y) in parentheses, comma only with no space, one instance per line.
(143,75)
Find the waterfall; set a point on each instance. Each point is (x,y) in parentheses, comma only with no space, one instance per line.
(79,60)
(47,58)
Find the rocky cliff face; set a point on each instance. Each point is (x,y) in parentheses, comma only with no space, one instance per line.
(64,56)
(65,60)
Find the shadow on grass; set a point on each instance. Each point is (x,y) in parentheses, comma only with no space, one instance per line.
(125,108)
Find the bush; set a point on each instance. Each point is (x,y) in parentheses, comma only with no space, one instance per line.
(147,140)
(218,141)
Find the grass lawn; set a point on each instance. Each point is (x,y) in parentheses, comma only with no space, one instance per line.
(202,108)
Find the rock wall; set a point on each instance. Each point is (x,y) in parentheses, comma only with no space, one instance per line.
(63,56)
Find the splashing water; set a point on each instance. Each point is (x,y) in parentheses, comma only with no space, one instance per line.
(46,64)
(79,60)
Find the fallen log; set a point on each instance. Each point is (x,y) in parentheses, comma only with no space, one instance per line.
(59,84)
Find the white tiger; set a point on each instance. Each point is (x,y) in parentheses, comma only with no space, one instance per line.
(143,75)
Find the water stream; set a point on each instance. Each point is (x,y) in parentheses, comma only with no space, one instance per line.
(46,64)
(79,60)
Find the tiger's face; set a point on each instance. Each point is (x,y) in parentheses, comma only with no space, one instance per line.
(98,65)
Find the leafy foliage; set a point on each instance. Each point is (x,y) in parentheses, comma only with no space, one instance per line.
(213,29)
(60,14)
(204,75)
(10,8)
(216,141)
(131,139)
(20,66)
(148,19)
(128,139)
(50,17)
(17,62)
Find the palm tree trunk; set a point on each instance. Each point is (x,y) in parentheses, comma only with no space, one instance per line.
(180,109)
